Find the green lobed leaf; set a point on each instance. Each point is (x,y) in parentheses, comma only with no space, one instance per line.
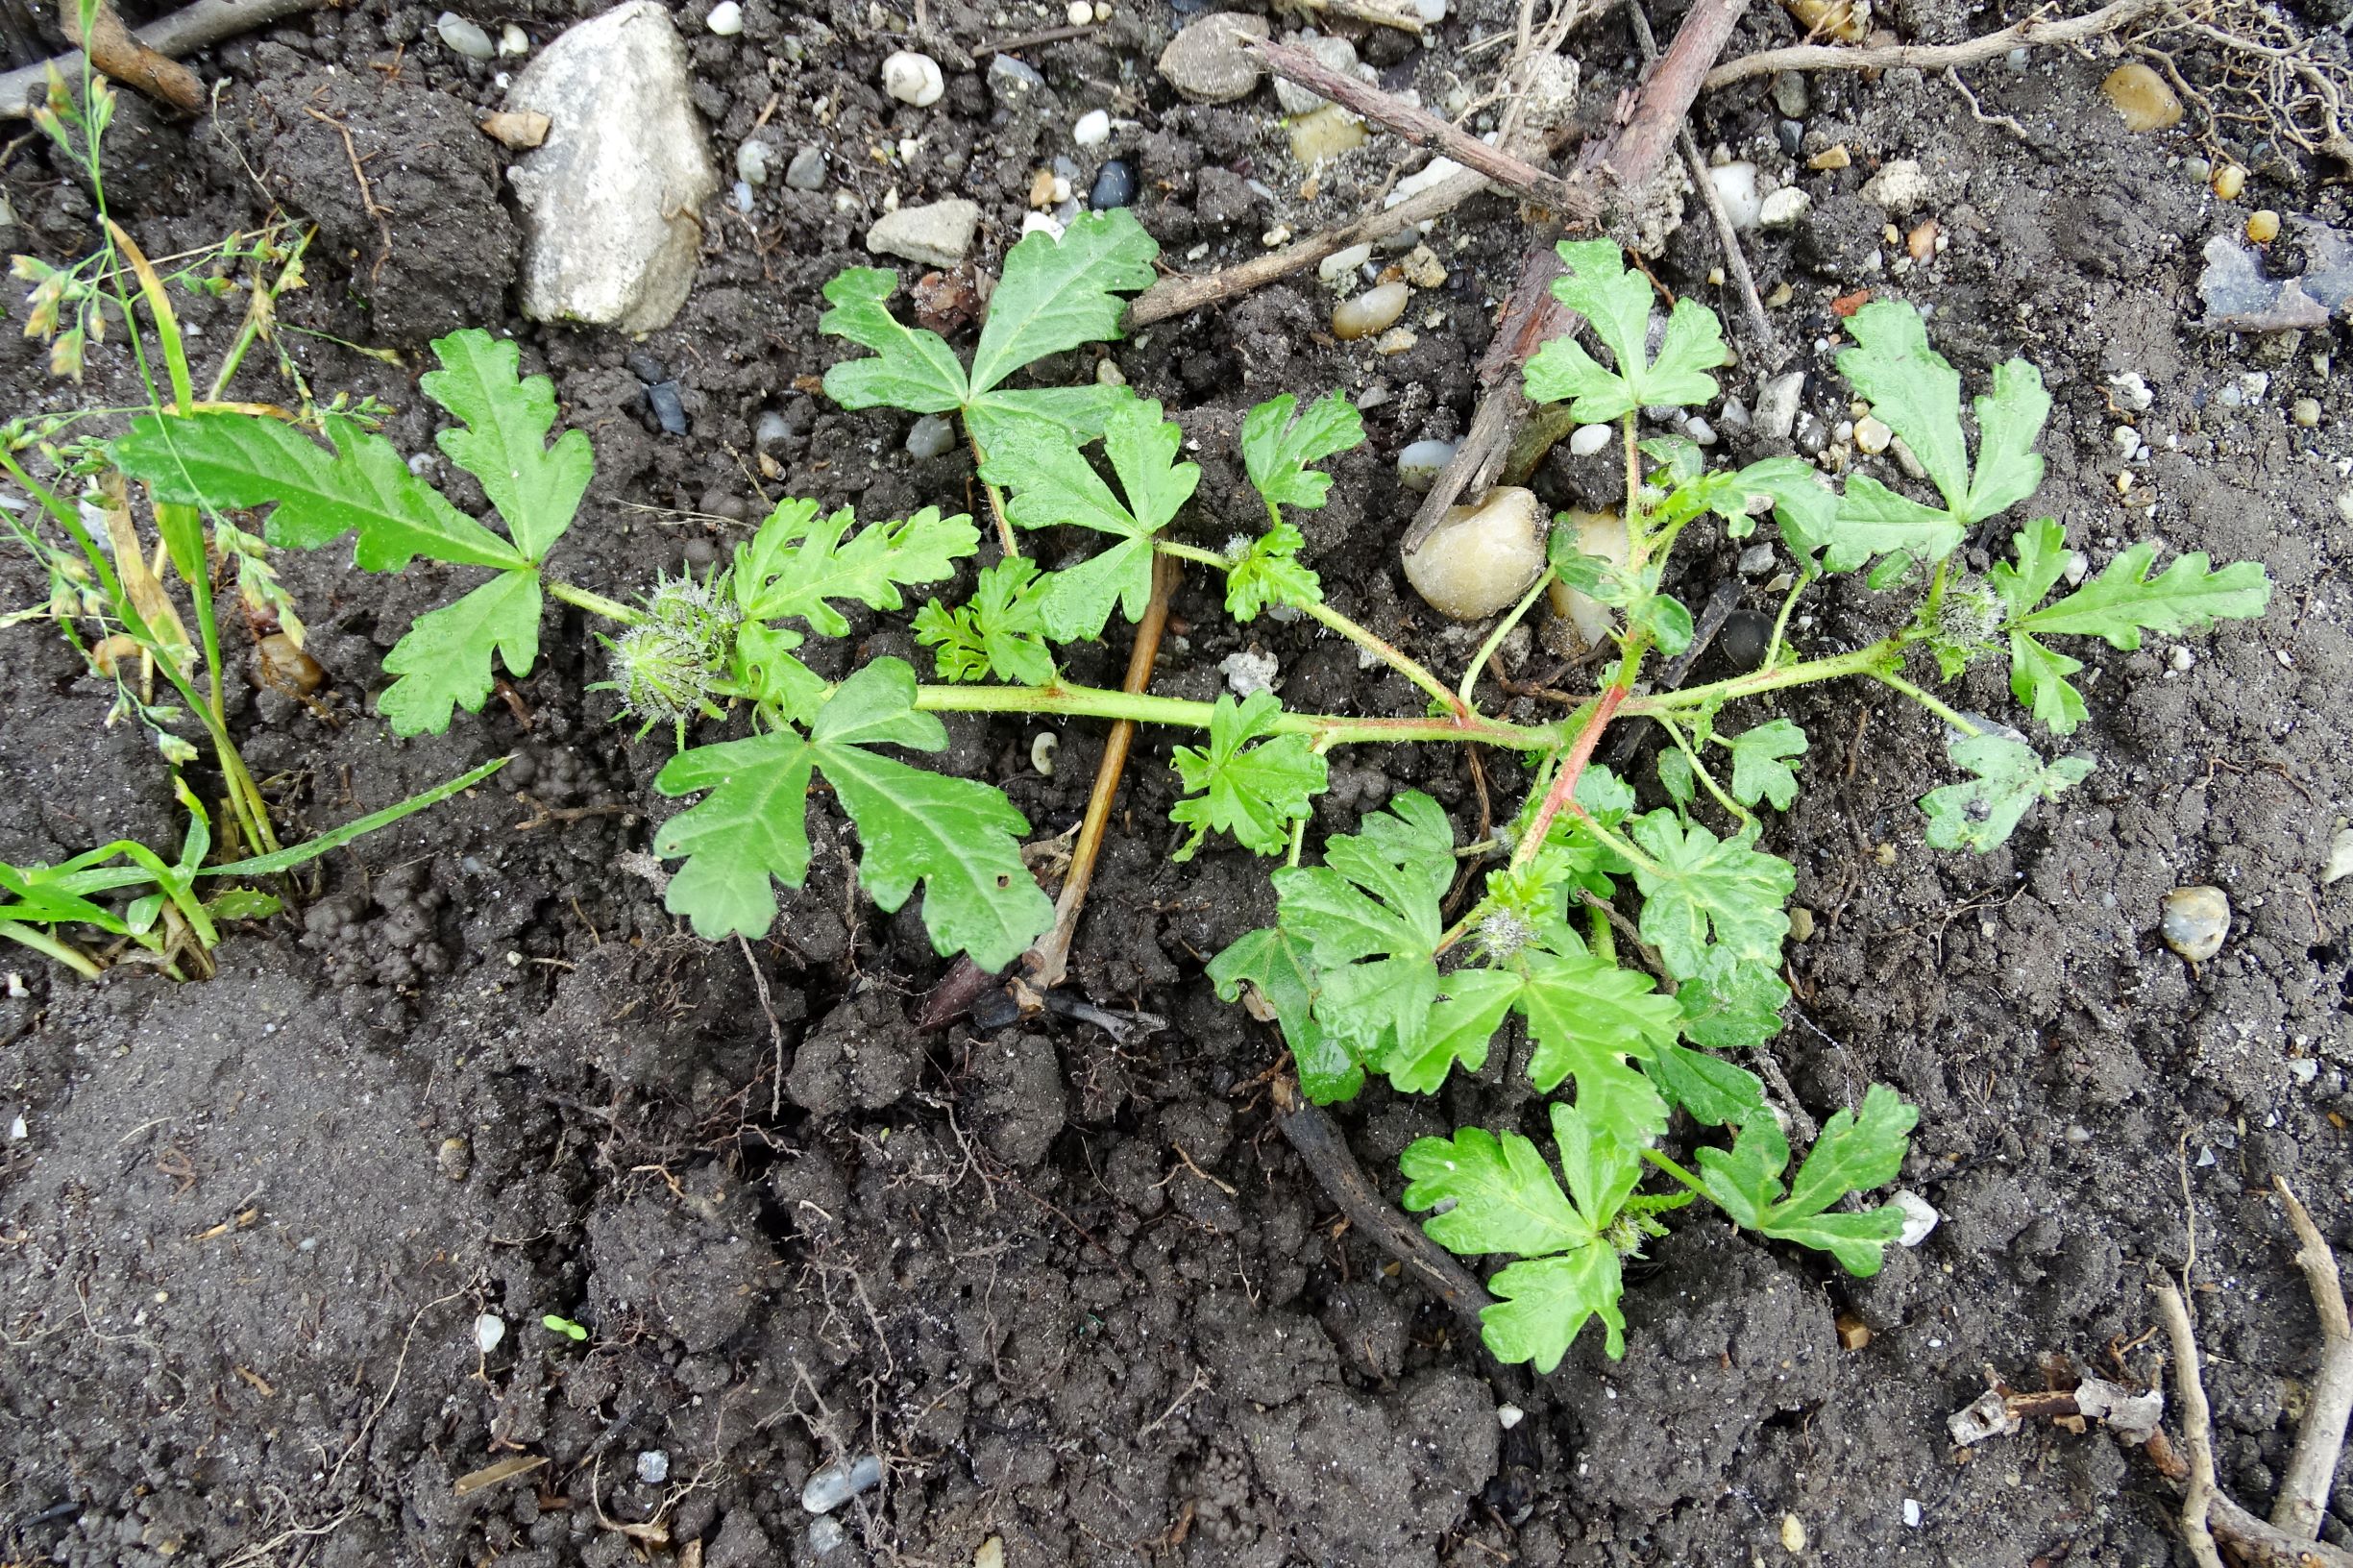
(912,369)
(444,661)
(1058,293)
(1276,448)
(1586,1018)
(1731,1003)
(955,837)
(1602,1169)
(1760,766)
(1370,915)
(1913,390)
(1854,1153)
(1471,1006)
(1617,304)
(1000,631)
(1802,503)
(1871,519)
(1279,968)
(797,563)
(1270,573)
(1700,881)
(2009,420)
(1254,792)
(1542,1304)
(1504,1197)
(2041,560)
(2124,601)
(1715,1093)
(1981,813)
(504,443)
(2037,678)
(225,459)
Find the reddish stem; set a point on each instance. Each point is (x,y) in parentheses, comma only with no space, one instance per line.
(1564,783)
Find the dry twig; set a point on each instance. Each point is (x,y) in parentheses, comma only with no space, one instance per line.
(2302,1503)
(184,32)
(1931,56)
(117,52)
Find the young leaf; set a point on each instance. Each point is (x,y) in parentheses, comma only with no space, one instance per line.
(1270,573)
(1542,1304)
(1277,449)
(1713,1090)
(1913,389)
(1502,1195)
(1278,966)
(1981,813)
(1854,1154)
(1370,915)
(1760,766)
(1057,294)
(1803,503)
(912,369)
(797,563)
(1460,1026)
(954,836)
(1617,303)
(1602,1169)
(536,487)
(1697,880)
(1675,778)
(1732,1003)
(225,459)
(1053,485)
(1873,520)
(1585,1018)
(444,661)
(1254,792)
(1000,631)
(2124,601)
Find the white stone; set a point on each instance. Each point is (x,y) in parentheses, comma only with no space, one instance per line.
(1736,189)
(939,234)
(1919,1217)
(2339,857)
(1776,405)
(1481,559)
(930,436)
(726,19)
(610,238)
(1873,434)
(913,79)
(1094,128)
(1783,207)
(1340,263)
(1588,440)
(1248,672)
(1898,187)
(1437,172)
(489,1330)
(1079,13)
(463,36)
(1419,464)
(513,41)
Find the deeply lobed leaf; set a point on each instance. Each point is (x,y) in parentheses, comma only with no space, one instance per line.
(797,563)
(1278,449)
(1981,813)
(1247,781)
(503,442)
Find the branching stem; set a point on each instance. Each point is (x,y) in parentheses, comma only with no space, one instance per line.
(1143,708)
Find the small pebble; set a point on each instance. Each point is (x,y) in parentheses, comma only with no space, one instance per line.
(825,1537)
(669,409)
(1898,187)
(1791,135)
(1702,433)
(1479,559)
(1247,671)
(1873,436)
(1756,561)
(751,163)
(930,436)
(2142,97)
(1776,405)
(1588,440)
(513,41)
(1079,13)
(1854,1334)
(2198,170)
(2262,226)
(2132,391)
(2181,659)
(489,1330)
(2229,181)
(1328,134)
(1919,1216)
(1830,158)
(1508,1416)
(2195,921)
(1340,263)
(1374,310)
(1736,189)
(1207,62)
(913,79)
(1911,1513)
(1115,186)
(835,1483)
(1094,128)
(455,1157)
(286,668)
(807,170)
(1013,78)
(2339,857)
(463,36)
(1793,1534)
(1395,341)
(1789,95)
(769,429)
(1419,464)
(726,19)
(991,1551)
(2306,411)
(652,1466)
(1783,207)
(1329,51)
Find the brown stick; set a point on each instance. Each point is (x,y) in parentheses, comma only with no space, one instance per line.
(2303,1496)
(184,32)
(1423,129)
(115,51)
(1045,962)
(1324,1150)
(1642,145)
(1931,56)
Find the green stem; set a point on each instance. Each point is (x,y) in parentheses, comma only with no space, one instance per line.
(1144,708)
(1325,615)
(49,946)
(1780,622)
(1602,938)
(1863,661)
(1675,1170)
(612,609)
(1895,682)
(250,329)
(1698,768)
(1495,638)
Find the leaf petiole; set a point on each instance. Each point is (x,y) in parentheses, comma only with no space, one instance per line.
(594,604)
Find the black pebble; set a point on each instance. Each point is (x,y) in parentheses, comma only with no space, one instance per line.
(645,366)
(1793,136)
(667,409)
(1743,638)
(1113,187)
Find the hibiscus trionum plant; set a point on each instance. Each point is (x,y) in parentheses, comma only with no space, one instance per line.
(1363,973)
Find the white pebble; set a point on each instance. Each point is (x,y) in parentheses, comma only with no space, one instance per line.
(1508,1416)
(1702,433)
(1588,440)
(513,40)
(1418,465)
(1481,559)
(2182,659)
(726,19)
(1094,128)
(489,1330)
(930,436)
(1919,1217)
(652,1466)
(1872,434)
(1041,223)
(463,36)
(1736,189)
(911,78)
(2339,866)
(1783,207)
(1080,13)
(2126,440)
(1340,263)
(1374,310)
(1911,1513)
(751,163)
(2132,391)
(1249,672)
(1437,172)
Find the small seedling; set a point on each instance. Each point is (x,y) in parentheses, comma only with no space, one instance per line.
(1362,971)
(566,1327)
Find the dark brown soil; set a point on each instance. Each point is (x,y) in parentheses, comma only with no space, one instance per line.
(1079,1295)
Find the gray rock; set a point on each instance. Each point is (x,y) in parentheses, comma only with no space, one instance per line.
(1009,80)
(752,161)
(1789,95)
(930,436)
(609,232)
(1776,405)
(939,234)
(807,170)
(1207,62)
(464,36)
(835,1483)
(1333,53)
